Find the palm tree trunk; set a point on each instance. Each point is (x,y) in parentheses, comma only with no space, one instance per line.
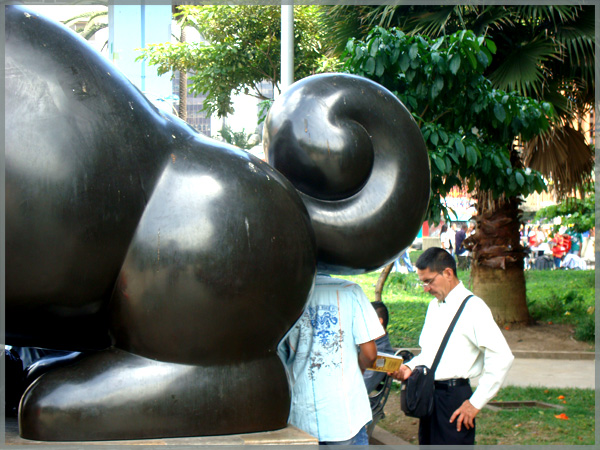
(182,112)
(497,266)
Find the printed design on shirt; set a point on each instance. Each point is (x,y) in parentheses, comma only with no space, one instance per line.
(328,358)
(327,338)
(323,319)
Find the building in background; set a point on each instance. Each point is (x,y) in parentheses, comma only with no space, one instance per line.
(135,26)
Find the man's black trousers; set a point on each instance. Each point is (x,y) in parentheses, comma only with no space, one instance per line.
(437,429)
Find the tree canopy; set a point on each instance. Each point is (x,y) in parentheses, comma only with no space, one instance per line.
(468,125)
(242,48)
(543,51)
(574,212)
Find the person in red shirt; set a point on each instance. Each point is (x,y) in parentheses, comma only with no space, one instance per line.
(559,249)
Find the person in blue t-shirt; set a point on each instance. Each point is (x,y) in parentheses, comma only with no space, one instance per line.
(325,354)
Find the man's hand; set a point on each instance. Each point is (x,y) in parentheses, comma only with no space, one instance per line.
(402,373)
(464,416)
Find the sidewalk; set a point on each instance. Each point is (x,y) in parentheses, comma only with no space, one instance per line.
(550,369)
(551,373)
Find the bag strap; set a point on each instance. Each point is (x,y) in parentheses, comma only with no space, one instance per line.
(438,356)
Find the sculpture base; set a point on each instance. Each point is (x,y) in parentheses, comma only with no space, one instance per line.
(289,435)
(115,395)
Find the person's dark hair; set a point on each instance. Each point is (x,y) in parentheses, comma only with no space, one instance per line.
(444,228)
(382,312)
(436,259)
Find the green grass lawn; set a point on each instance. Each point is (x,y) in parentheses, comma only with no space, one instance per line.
(574,424)
(559,296)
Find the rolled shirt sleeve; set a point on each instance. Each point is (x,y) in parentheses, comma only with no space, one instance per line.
(497,357)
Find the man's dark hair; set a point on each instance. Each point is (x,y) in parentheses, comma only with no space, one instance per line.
(436,259)
(382,312)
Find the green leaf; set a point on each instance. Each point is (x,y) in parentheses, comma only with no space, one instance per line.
(443,136)
(520,179)
(499,112)
(380,67)
(486,165)
(426,133)
(547,107)
(483,59)
(471,58)
(471,155)
(412,101)
(404,62)
(370,66)
(491,46)
(413,52)
(448,162)
(434,138)
(455,64)
(359,52)
(374,48)
(460,148)
(437,87)
(498,162)
(439,162)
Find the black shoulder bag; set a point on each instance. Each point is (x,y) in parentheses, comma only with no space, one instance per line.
(416,396)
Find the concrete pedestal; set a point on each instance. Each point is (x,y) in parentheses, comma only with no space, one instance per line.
(287,436)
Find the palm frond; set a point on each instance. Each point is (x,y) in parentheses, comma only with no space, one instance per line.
(341,24)
(563,106)
(431,23)
(88,16)
(577,41)
(563,155)
(95,23)
(91,29)
(491,17)
(548,14)
(523,69)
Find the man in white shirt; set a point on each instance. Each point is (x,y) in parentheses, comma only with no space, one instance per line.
(324,364)
(476,347)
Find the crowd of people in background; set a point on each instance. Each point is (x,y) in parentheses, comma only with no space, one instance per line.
(547,247)
(565,248)
(452,238)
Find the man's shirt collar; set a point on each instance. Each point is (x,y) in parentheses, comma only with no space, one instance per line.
(457,294)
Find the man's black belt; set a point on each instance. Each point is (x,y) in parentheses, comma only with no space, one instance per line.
(446,384)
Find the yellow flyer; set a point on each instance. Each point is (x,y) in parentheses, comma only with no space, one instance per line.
(386,363)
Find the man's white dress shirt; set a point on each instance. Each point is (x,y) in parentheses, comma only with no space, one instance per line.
(476,346)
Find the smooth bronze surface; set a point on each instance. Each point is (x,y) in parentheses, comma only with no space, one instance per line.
(184,258)
(115,395)
(174,262)
(358,158)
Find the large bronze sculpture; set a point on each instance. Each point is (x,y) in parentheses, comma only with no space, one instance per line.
(177,263)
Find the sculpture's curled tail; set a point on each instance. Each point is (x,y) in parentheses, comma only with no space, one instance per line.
(359,161)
